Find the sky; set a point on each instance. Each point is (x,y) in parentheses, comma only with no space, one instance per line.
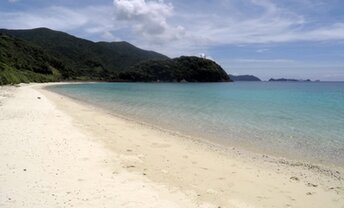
(268,38)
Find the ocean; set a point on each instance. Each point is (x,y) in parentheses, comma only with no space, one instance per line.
(296,120)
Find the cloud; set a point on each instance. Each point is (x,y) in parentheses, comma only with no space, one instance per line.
(148,18)
(230,23)
(263,50)
(61,18)
(267,61)
(217,28)
(183,28)
(91,20)
(264,22)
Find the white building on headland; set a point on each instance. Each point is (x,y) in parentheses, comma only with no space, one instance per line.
(202,55)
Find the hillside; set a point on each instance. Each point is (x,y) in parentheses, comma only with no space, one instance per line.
(22,62)
(84,59)
(240,78)
(40,55)
(190,69)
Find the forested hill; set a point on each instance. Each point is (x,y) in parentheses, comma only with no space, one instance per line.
(40,55)
(21,61)
(183,69)
(84,59)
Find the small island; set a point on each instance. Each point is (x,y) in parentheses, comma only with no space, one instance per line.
(239,78)
(289,80)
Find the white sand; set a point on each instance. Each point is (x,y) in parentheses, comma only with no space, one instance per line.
(56,152)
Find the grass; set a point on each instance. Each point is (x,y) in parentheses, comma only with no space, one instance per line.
(10,75)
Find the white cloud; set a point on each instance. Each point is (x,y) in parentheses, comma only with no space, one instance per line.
(269,24)
(92,20)
(149,19)
(188,29)
(267,61)
(262,50)
(192,27)
(264,22)
(53,17)
(62,18)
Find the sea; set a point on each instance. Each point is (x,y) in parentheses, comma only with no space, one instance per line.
(301,121)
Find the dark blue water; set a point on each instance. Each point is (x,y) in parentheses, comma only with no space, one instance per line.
(295,120)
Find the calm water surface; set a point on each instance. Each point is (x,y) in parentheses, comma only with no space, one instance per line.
(295,120)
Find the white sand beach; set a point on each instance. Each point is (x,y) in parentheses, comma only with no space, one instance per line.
(59,152)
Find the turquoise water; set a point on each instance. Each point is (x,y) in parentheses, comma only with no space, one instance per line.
(294,120)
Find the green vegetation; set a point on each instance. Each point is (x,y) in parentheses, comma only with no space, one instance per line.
(22,62)
(10,75)
(190,69)
(84,59)
(43,55)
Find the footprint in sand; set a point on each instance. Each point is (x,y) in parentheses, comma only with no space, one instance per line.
(312,185)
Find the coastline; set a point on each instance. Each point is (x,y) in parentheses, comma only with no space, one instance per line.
(252,120)
(219,144)
(177,171)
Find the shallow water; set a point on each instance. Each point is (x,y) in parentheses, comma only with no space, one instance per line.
(294,120)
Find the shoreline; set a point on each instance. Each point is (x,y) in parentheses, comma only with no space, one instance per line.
(191,173)
(329,169)
(248,152)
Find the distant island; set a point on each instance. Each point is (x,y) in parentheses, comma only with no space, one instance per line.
(290,80)
(43,55)
(244,78)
